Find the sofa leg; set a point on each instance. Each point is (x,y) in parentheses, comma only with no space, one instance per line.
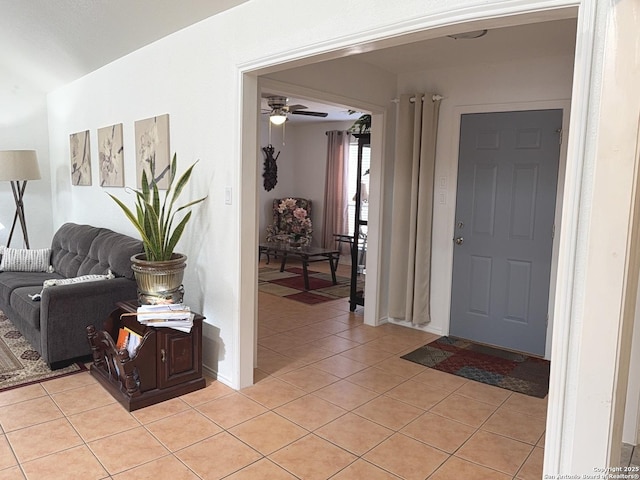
(66,363)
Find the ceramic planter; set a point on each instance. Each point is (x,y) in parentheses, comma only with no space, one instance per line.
(159,282)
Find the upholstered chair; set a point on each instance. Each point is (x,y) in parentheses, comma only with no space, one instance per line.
(291,221)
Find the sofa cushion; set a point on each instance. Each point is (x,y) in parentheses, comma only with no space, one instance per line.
(26,260)
(110,251)
(70,246)
(9,281)
(27,309)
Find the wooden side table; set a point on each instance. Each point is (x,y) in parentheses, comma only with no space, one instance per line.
(167,364)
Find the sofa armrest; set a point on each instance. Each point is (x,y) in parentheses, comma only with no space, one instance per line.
(69,309)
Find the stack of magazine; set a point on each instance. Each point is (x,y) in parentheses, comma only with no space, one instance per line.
(128,339)
(177,316)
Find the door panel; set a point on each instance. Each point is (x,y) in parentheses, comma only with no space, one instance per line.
(480,285)
(484,201)
(507,178)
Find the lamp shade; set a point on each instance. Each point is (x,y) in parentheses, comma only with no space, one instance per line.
(278,116)
(19,165)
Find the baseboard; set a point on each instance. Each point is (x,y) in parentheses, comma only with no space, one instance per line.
(210,372)
(423,328)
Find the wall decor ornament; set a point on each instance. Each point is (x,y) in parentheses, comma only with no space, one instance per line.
(270,174)
(80,158)
(152,150)
(111,156)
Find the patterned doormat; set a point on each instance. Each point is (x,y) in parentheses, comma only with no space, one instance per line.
(290,284)
(513,371)
(20,364)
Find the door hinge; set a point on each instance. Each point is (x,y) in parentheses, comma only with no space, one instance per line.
(559,132)
(553,231)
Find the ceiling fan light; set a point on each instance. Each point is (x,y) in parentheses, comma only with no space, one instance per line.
(278,117)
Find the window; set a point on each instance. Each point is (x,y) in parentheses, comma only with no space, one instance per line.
(353,181)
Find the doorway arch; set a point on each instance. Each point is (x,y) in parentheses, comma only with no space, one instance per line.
(560,455)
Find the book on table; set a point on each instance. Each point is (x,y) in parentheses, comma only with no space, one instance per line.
(122,339)
(129,340)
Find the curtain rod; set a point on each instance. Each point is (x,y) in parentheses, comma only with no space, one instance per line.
(434,98)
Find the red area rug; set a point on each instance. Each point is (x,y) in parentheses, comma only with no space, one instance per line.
(510,370)
(290,284)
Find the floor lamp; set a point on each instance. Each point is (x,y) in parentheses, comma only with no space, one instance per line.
(18,166)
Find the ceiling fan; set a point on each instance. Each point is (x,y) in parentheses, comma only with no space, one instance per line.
(279,109)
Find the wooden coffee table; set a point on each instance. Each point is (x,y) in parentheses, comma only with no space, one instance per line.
(306,255)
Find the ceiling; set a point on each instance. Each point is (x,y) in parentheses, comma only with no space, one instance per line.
(500,45)
(55,42)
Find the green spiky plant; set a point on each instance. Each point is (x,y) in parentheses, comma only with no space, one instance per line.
(362,124)
(154,219)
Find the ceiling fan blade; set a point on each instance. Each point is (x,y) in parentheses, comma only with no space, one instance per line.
(308,113)
(297,107)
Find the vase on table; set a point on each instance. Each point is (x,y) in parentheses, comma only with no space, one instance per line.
(294,241)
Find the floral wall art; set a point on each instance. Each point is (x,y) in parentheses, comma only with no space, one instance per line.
(80,158)
(152,149)
(111,156)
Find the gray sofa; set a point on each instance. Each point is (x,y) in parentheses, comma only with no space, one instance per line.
(56,325)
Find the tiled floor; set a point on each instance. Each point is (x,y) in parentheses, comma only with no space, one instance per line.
(630,456)
(332,399)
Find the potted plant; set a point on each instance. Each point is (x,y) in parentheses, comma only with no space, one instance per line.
(159,270)
(362,124)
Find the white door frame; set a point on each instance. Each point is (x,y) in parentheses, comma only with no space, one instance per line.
(458,111)
(582,419)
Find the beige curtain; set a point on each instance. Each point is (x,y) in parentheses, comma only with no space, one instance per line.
(410,269)
(335,216)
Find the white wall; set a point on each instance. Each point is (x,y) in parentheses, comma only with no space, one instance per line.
(191,75)
(311,167)
(186,76)
(23,126)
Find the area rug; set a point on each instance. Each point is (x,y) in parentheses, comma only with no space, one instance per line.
(513,371)
(290,284)
(20,364)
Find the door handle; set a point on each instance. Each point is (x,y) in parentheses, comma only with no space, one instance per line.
(459,240)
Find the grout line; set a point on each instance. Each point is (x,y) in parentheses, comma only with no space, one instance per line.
(308,431)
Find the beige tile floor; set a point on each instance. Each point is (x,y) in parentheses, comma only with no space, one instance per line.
(332,399)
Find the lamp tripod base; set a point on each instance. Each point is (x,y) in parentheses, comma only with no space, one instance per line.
(18,189)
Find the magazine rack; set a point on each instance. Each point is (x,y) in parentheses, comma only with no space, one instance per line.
(168,362)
